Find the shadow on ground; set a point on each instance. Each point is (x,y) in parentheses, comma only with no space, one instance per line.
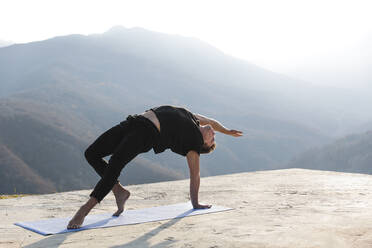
(143,241)
(51,241)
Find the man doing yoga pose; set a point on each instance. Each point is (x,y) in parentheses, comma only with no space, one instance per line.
(158,128)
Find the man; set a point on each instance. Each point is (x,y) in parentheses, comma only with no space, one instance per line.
(159,128)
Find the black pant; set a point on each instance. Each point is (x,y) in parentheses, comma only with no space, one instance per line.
(124,142)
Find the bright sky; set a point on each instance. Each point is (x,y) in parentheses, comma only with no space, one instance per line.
(276,34)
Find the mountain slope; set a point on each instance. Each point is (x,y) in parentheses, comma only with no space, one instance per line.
(17,177)
(45,145)
(4,43)
(350,154)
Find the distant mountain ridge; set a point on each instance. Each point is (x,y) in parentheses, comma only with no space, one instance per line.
(352,153)
(57,95)
(4,43)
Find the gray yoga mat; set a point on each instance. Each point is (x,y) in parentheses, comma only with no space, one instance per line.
(58,225)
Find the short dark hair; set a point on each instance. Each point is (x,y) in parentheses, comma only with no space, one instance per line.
(208,149)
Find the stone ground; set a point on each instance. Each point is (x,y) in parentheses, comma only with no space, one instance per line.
(272,209)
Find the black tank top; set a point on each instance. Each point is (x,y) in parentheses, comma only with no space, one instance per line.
(179,130)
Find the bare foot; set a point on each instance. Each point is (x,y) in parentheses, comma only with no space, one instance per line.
(121,196)
(77,220)
(84,210)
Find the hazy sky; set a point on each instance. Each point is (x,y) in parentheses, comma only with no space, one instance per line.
(281,35)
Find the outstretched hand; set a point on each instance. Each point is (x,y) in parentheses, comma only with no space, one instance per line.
(235,133)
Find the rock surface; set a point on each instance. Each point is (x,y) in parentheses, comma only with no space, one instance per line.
(283,208)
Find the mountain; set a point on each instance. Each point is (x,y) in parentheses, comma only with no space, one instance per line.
(352,153)
(58,95)
(39,136)
(16,176)
(4,43)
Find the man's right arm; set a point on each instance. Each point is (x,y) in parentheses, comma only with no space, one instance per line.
(193,162)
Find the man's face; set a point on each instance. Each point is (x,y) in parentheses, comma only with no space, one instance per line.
(209,135)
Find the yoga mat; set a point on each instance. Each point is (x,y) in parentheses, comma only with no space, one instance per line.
(58,225)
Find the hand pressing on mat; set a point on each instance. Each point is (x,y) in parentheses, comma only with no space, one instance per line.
(194,168)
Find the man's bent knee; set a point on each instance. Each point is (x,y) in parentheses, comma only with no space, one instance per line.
(90,154)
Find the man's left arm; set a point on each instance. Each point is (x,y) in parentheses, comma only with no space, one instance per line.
(217,126)
(194,167)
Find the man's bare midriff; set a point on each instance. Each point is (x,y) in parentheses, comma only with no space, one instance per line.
(152,117)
